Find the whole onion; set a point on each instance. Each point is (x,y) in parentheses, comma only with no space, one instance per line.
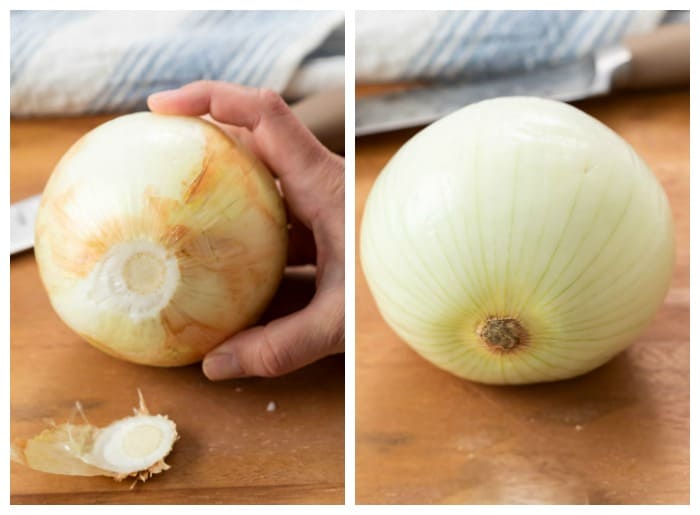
(158,237)
(517,240)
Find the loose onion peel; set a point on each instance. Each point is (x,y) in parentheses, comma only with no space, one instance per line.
(517,240)
(135,446)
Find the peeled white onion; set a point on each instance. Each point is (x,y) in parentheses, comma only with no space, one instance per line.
(158,237)
(517,240)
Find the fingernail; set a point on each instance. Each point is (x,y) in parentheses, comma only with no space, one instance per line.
(221,366)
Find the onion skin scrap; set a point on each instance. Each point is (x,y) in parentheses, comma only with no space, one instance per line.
(79,449)
(158,237)
(517,240)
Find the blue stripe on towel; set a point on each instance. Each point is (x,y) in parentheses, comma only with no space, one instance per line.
(29,31)
(193,55)
(492,54)
(257,76)
(133,55)
(477,43)
(562,23)
(616,33)
(263,56)
(434,45)
(473,54)
(571,46)
(161,64)
(137,63)
(263,48)
(446,63)
(244,54)
(164,63)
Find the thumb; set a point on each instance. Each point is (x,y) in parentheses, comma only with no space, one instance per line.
(281,346)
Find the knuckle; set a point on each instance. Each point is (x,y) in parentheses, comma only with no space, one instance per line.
(273,360)
(333,337)
(272,102)
(329,183)
(332,174)
(337,188)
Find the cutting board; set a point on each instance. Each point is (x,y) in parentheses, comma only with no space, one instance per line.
(231,450)
(616,435)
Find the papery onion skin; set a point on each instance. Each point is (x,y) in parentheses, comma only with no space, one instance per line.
(119,450)
(158,237)
(517,209)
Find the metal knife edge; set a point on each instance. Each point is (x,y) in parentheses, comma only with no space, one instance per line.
(588,76)
(22,219)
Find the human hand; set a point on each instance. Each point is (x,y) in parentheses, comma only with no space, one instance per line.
(313,185)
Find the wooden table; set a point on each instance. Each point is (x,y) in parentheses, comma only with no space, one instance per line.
(616,435)
(231,449)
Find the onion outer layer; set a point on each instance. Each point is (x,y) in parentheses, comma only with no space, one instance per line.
(158,236)
(523,210)
(134,446)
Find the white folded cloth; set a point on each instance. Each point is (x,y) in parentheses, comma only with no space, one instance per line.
(450,45)
(73,62)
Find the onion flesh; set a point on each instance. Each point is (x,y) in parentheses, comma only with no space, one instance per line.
(517,240)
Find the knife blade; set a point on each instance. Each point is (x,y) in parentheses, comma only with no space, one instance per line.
(420,106)
(22,218)
(656,59)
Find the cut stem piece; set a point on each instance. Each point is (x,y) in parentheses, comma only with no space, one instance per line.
(133,446)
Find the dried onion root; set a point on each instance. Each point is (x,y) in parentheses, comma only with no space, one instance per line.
(134,446)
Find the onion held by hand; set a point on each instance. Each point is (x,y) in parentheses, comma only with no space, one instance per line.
(158,237)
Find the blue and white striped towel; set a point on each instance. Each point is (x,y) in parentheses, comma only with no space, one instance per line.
(448,45)
(72,62)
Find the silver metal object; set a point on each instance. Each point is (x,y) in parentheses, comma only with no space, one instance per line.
(22,218)
(589,76)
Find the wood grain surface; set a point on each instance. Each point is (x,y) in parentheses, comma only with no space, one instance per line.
(619,434)
(231,449)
